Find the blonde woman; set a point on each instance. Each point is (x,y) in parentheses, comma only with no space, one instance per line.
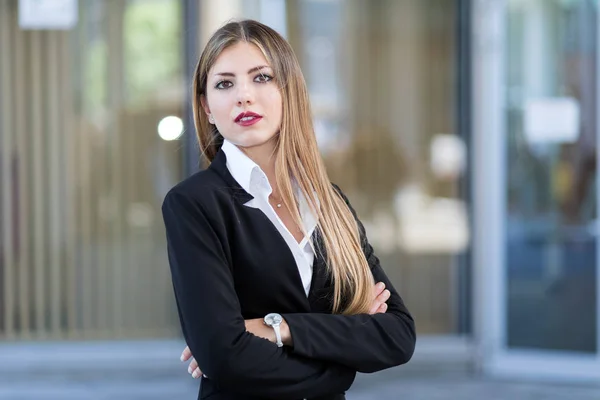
(273,275)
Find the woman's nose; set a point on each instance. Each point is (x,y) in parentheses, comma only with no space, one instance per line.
(245,94)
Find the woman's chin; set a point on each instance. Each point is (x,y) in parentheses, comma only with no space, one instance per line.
(252,139)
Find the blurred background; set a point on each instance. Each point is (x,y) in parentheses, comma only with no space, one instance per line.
(463,131)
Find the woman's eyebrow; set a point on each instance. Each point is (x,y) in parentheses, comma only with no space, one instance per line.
(251,70)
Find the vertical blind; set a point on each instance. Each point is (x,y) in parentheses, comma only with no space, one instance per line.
(82,177)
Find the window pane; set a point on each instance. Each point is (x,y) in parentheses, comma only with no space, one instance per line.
(84,171)
(551,189)
(381,75)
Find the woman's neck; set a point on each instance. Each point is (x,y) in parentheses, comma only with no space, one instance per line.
(264,157)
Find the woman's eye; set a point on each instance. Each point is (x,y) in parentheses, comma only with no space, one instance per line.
(263,78)
(223,85)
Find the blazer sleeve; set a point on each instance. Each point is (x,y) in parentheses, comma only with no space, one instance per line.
(366,343)
(213,326)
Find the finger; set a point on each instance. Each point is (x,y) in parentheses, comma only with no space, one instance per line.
(379,297)
(374,308)
(378,288)
(197,373)
(187,353)
(193,365)
(382,309)
(383,297)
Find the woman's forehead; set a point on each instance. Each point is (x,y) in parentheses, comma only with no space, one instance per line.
(239,58)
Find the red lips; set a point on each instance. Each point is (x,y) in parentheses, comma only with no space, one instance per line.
(247,114)
(247,118)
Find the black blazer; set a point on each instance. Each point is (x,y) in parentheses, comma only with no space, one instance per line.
(229,263)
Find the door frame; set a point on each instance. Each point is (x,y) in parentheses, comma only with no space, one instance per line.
(488,29)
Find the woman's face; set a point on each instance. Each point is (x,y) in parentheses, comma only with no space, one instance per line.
(242,97)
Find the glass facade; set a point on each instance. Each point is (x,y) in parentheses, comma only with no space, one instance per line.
(95,128)
(84,171)
(551,207)
(84,166)
(383,82)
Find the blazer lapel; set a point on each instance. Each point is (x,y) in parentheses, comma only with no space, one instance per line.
(219,166)
(320,294)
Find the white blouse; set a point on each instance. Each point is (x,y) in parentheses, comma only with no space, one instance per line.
(254,181)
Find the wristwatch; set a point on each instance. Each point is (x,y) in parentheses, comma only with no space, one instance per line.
(274,320)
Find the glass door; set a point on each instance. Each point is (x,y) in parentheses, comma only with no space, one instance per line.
(383,84)
(543,287)
(88,148)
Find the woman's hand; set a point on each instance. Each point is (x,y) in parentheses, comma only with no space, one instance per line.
(193,367)
(258,328)
(380,296)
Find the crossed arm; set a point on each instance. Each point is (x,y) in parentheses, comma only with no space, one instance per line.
(258,328)
(232,357)
(378,341)
(317,364)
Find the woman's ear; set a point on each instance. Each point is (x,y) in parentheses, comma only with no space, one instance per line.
(204,104)
(206,109)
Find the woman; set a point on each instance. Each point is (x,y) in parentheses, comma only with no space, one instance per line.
(272,272)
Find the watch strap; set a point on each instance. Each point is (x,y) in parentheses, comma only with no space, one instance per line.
(278,335)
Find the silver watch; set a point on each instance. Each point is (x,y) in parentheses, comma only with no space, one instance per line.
(274,320)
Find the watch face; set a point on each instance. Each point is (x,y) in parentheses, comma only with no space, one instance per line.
(273,319)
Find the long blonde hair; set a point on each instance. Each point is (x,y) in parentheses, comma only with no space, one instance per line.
(297,158)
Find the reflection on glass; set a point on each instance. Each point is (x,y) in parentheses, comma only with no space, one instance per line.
(551,193)
(381,76)
(82,251)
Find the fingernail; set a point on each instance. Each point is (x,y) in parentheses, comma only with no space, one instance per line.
(380,285)
(195,374)
(181,357)
(189,370)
